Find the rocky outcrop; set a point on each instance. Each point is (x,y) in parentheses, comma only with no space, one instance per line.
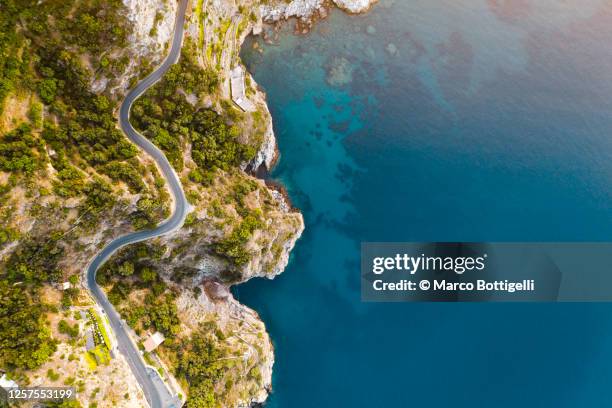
(266,155)
(152,25)
(354,6)
(273,248)
(244,338)
(302,9)
(307,9)
(268,247)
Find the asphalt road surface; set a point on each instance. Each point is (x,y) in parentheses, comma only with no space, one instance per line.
(157,395)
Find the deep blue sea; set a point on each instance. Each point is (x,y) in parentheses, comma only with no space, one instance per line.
(439,120)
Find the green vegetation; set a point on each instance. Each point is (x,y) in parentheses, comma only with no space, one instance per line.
(83,122)
(158,17)
(25,340)
(52,375)
(64,144)
(234,245)
(70,180)
(34,262)
(64,327)
(157,314)
(214,143)
(20,151)
(163,314)
(165,116)
(7,235)
(63,141)
(149,209)
(95,22)
(100,354)
(201,18)
(135,261)
(13,64)
(215,374)
(130,173)
(133,269)
(69,296)
(52,48)
(100,334)
(202,365)
(92,363)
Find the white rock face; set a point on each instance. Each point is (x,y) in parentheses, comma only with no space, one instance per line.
(142,13)
(354,6)
(306,8)
(144,40)
(99,85)
(267,152)
(296,8)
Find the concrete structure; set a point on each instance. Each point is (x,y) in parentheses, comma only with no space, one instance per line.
(153,341)
(239,90)
(90,344)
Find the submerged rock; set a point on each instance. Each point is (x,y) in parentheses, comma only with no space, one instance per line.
(340,72)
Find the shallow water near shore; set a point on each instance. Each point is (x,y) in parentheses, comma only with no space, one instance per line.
(438,121)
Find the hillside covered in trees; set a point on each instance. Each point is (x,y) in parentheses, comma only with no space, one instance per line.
(65,167)
(70,181)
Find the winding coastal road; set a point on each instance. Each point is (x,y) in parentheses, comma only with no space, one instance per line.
(154,390)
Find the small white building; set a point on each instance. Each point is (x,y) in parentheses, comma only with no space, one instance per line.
(153,341)
(66,285)
(239,90)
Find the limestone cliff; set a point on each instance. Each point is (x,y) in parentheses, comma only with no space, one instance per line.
(153,23)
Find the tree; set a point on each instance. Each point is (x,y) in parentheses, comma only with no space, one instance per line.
(163,314)
(25,341)
(64,327)
(47,90)
(126,269)
(17,150)
(99,194)
(202,365)
(234,245)
(148,275)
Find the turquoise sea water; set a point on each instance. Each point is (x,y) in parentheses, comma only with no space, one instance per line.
(439,120)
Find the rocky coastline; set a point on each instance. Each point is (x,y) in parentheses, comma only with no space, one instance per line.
(306,13)
(285,223)
(241,225)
